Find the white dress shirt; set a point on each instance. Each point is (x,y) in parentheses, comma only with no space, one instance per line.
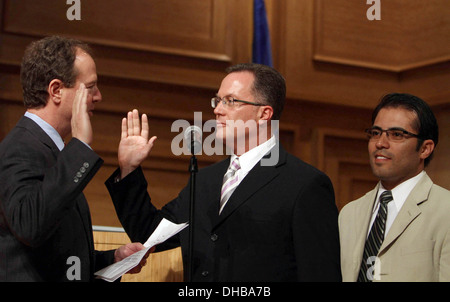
(400,193)
(54,135)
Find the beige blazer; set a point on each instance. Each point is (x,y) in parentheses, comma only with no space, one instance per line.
(417,246)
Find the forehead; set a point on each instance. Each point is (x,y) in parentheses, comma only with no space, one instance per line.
(237,84)
(390,117)
(85,66)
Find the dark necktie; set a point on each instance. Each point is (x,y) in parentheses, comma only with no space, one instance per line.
(375,238)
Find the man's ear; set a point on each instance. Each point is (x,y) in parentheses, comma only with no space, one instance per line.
(426,149)
(55,90)
(265,113)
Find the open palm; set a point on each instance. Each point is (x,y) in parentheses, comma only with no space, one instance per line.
(135,144)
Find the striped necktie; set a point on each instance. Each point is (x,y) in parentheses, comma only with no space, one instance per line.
(230,182)
(375,238)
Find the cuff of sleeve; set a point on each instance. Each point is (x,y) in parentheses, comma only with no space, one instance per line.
(137,176)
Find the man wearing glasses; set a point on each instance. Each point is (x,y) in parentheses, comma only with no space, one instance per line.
(400,231)
(254,222)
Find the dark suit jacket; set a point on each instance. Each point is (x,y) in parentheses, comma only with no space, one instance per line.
(44,216)
(280,224)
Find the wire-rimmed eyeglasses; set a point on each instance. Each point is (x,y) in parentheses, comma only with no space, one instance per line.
(229,101)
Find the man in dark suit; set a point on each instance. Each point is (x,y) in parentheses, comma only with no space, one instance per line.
(45,224)
(279,224)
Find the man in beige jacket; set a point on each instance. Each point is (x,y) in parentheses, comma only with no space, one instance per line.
(408,237)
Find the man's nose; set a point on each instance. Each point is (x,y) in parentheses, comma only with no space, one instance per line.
(383,141)
(97,97)
(219,108)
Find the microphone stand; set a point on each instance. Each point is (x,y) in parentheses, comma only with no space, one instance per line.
(193,168)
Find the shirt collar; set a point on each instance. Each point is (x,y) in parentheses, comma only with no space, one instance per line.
(401,192)
(51,132)
(250,158)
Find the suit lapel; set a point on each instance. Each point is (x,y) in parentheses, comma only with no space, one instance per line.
(364,213)
(409,211)
(257,178)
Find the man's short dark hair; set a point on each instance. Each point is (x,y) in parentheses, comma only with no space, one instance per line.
(425,124)
(45,60)
(269,85)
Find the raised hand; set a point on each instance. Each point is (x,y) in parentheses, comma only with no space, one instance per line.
(135,144)
(81,122)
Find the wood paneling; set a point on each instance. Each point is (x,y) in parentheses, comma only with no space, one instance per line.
(409,35)
(342,155)
(331,53)
(176,41)
(439,168)
(193,28)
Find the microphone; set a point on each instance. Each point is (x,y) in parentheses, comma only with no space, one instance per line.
(193,139)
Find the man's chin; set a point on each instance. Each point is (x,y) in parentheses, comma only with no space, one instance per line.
(220,135)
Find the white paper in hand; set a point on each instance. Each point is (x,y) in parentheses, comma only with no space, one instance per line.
(164,231)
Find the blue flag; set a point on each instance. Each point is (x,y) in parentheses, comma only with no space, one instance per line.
(262,52)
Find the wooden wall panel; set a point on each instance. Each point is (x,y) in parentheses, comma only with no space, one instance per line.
(177,41)
(342,155)
(408,36)
(331,53)
(193,28)
(439,168)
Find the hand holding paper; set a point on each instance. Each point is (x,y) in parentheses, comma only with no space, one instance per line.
(127,250)
(164,231)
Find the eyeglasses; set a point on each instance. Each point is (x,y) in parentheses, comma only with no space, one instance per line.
(229,101)
(393,134)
